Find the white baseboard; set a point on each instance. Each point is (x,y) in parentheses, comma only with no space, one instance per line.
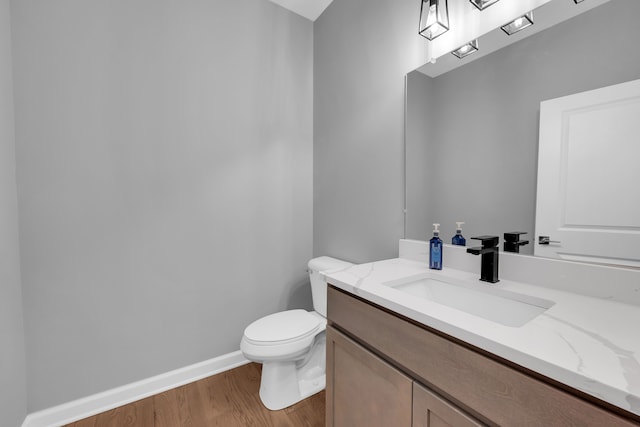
(110,399)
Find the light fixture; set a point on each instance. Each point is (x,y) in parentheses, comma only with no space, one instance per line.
(467,49)
(578,1)
(481,4)
(434,18)
(518,24)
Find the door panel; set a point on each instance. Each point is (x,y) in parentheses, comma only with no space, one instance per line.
(363,390)
(429,410)
(588,200)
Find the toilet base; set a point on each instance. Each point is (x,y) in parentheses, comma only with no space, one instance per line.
(286,383)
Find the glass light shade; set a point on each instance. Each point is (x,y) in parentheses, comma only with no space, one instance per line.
(434,18)
(518,24)
(481,4)
(467,49)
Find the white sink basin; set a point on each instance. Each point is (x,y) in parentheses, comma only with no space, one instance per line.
(479,299)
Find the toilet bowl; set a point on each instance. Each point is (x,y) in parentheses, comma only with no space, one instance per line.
(291,345)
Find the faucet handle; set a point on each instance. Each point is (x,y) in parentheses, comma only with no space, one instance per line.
(488,241)
(512,241)
(513,236)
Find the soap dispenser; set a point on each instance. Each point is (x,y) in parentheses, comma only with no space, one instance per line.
(435,249)
(459,239)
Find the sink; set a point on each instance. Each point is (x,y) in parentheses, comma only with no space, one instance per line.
(482,300)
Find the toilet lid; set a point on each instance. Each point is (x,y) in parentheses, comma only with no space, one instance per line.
(282,326)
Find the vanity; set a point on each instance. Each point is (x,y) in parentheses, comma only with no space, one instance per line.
(402,350)
(553,343)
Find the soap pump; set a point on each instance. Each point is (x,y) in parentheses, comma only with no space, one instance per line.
(459,239)
(435,249)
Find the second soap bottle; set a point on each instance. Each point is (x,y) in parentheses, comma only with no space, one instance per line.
(459,239)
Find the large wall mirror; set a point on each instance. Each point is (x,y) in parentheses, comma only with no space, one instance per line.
(472,133)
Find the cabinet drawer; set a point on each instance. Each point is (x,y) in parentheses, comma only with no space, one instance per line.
(494,392)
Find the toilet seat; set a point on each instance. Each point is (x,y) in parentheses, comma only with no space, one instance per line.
(282,328)
(284,335)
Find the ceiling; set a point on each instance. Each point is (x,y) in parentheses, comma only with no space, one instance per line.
(310,9)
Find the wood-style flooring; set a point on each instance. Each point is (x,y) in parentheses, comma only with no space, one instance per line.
(228,399)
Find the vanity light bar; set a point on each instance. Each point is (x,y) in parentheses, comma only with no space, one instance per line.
(518,24)
(481,4)
(467,49)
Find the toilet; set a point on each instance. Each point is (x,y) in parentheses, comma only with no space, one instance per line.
(291,345)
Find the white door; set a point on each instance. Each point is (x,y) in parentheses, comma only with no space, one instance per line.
(588,201)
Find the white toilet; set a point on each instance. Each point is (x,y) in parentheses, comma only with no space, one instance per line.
(291,345)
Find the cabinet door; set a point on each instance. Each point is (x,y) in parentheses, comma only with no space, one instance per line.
(362,389)
(429,410)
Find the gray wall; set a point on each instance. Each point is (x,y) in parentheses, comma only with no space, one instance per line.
(13,395)
(483,137)
(164,158)
(420,90)
(362,51)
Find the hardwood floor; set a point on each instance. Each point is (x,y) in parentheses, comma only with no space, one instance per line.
(228,399)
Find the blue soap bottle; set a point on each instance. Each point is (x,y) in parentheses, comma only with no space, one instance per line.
(459,239)
(435,249)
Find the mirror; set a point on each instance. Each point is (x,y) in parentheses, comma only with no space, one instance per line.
(472,133)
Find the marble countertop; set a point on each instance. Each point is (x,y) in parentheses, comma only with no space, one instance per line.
(588,343)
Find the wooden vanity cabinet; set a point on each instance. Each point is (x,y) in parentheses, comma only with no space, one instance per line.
(385,370)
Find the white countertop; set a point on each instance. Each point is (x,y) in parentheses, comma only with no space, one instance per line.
(591,344)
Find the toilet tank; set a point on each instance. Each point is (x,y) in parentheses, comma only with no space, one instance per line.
(318,285)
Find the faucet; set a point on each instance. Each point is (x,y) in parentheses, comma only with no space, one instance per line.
(512,241)
(489,253)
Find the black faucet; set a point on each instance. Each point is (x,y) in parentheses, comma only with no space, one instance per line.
(489,252)
(512,241)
